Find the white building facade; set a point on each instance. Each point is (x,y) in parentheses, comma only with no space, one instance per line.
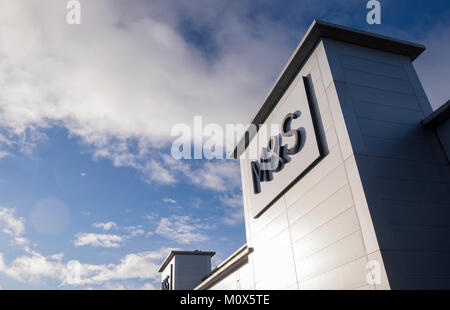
(360,195)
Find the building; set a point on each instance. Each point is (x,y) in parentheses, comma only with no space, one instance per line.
(182,270)
(361,195)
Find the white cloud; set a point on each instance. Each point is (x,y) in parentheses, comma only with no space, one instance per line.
(134,231)
(114,286)
(235,212)
(146,286)
(11,224)
(105,226)
(233,218)
(137,232)
(169,200)
(219,176)
(21,241)
(133,266)
(98,240)
(151,217)
(34,268)
(159,174)
(31,268)
(149,77)
(3,154)
(108,240)
(182,229)
(232,200)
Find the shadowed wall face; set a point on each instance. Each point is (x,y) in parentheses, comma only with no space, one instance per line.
(184,270)
(402,164)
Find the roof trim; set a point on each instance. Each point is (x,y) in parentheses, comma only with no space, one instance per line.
(173,253)
(233,262)
(317,30)
(438,117)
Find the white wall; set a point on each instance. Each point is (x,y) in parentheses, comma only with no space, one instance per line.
(166,272)
(312,237)
(240,279)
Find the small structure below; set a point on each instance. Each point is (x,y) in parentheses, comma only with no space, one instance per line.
(184,270)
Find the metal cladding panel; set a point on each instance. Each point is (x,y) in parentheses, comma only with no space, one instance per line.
(295,100)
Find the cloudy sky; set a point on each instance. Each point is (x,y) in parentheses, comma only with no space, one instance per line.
(86,113)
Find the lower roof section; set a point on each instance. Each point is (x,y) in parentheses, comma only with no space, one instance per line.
(173,253)
(232,263)
(438,117)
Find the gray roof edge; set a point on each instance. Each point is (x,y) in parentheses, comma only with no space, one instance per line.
(413,50)
(177,252)
(321,29)
(438,117)
(222,269)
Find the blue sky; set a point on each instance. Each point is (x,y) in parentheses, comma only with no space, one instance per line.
(86,113)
